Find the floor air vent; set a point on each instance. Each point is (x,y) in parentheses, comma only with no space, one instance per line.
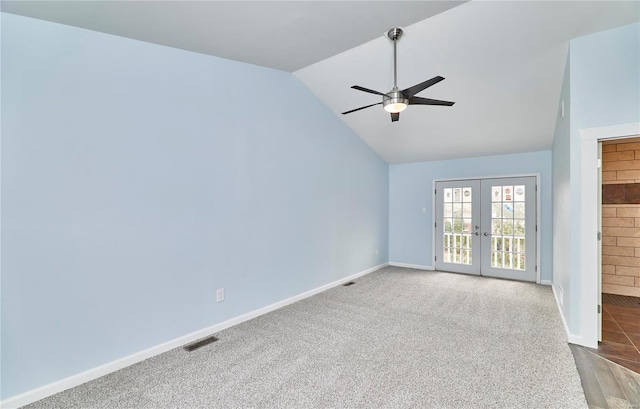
(349,283)
(200,343)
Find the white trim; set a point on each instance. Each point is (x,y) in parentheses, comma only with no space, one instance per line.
(571,338)
(588,244)
(414,266)
(574,339)
(94,373)
(545,282)
(433,222)
(513,175)
(611,132)
(539,229)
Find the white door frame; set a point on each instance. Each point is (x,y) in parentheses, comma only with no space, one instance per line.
(517,175)
(599,218)
(588,223)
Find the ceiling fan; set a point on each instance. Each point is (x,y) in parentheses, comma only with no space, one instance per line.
(396,100)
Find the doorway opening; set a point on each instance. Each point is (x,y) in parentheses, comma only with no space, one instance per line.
(586,267)
(619,335)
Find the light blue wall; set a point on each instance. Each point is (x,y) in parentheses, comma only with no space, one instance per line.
(562,197)
(605,78)
(605,90)
(601,87)
(137,179)
(411,190)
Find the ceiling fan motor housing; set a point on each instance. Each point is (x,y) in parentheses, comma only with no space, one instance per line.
(394,101)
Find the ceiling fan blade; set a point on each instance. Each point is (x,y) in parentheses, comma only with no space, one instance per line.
(427,101)
(358,109)
(411,91)
(370,91)
(395,117)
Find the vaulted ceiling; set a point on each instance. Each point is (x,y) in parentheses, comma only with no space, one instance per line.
(503,61)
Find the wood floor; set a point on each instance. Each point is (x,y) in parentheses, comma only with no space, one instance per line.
(620,331)
(606,384)
(610,374)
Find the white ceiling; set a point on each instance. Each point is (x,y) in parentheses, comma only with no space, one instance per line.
(503,61)
(285,35)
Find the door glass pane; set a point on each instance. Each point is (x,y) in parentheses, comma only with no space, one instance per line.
(518,210)
(496,226)
(506,262)
(507,211)
(508,227)
(496,194)
(466,210)
(457,225)
(466,194)
(448,227)
(506,243)
(496,210)
(448,210)
(507,193)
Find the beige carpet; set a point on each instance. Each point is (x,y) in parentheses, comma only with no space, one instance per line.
(397,338)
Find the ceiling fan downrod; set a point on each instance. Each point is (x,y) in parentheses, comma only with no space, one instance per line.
(394,35)
(395,101)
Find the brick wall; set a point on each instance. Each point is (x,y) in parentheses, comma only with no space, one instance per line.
(621,162)
(621,249)
(621,222)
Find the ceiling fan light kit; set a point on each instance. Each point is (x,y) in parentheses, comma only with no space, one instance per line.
(396,100)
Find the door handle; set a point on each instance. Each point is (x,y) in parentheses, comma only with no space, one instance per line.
(486,234)
(476,233)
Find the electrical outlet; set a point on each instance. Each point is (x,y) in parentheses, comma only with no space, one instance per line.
(220,294)
(376,252)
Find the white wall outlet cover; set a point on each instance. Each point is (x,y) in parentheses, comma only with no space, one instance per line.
(424,210)
(220,294)
(562,108)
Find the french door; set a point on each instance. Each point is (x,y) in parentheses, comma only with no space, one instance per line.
(487,227)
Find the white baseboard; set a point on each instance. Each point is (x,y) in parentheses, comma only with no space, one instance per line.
(545,282)
(571,338)
(94,373)
(414,266)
